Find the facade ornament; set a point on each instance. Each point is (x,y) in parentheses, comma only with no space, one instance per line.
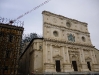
(58,57)
(88,59)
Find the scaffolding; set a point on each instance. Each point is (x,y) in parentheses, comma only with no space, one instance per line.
(10,40)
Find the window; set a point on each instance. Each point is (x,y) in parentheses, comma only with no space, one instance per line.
(68,24)
(6,68)
(55,33)
(83,38)
(10,38)
(40,47)
(1,34)
(7,55)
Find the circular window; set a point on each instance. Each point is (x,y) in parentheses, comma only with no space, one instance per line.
(83,38)
(55,33)
(68,24)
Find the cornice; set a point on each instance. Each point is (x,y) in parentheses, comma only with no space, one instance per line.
(61,27)
(11,27)
(66,42)
(63,17)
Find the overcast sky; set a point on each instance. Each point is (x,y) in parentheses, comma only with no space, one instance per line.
(82,10)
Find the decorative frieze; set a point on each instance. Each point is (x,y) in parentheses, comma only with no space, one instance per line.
(60,27)
(66,42)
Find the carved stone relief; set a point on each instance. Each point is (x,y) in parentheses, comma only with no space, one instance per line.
(56,51)
(87,53)
(88,59)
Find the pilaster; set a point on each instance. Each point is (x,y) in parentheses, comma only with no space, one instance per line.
(84,64)
(64,55)
(46,52)
(51,53)
(67,65)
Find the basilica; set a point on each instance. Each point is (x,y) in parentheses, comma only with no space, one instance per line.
(65,47)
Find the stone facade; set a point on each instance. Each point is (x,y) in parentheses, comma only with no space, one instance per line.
(97,55)
(31,60)
(66,47)
(67,40)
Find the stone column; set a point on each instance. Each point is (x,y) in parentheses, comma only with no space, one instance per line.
(92,56)
(68,60)
(46,52)
(84,64)
(83,56)
(63,55)
(95,62)
(67,65)
(51,53)
(95,65)
(44,56)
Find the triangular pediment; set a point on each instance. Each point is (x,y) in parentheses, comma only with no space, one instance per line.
(88,59)
(58,56)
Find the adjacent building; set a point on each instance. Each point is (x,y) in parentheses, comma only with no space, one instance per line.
(10,40)
(65,47)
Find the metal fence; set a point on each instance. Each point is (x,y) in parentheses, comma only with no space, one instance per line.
(7,21)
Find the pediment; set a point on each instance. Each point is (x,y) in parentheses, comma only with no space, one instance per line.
(88,59)
(58,57)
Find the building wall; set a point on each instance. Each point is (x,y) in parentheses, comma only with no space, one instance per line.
(10,40)
(53,22)
(36,60)
(97,55)
(62,42)
(67,53)
(31,59)
(58,45)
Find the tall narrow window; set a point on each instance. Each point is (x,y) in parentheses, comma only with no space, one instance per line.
(6,68)
(10,38)
(0,34)
(7,54)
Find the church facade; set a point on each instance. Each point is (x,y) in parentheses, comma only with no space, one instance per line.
(66,47)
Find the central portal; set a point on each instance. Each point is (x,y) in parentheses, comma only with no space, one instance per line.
(58,66)
(74,65)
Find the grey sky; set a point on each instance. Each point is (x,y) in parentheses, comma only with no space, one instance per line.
(82,10)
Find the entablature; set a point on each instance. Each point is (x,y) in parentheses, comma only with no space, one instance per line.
(65,42)
(49,25)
